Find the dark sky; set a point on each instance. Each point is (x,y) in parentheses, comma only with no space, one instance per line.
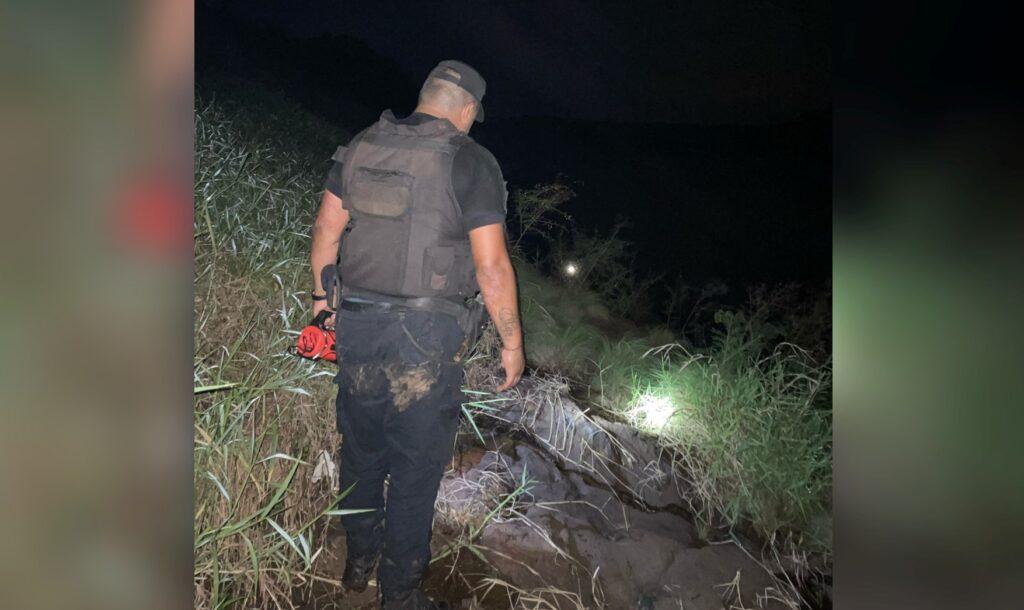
(711,61)
(724,172)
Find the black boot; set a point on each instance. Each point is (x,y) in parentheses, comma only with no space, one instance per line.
(412,600)
(357,573)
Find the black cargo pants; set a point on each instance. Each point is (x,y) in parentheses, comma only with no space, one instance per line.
(399,398)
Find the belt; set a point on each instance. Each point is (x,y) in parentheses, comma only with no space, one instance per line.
(470,316)
(437,304)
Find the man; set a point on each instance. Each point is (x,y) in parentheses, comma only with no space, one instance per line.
(422,207)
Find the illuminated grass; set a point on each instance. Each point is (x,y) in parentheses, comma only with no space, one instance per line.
(752,430)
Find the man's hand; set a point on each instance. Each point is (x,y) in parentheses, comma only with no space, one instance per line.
(319,306)
(514,363)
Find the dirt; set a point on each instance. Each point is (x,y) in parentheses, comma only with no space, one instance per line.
(362,378)
(408,385)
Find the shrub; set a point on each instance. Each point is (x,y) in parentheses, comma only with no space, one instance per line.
(536,215)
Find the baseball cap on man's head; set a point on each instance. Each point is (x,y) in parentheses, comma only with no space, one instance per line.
(465,76)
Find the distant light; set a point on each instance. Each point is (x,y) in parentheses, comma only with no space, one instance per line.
(571,269)
(653,410)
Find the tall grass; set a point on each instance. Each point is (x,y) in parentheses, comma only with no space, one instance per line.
(751,426)
(263,418)
(259,520)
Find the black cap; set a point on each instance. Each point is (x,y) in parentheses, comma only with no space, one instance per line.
(465,76)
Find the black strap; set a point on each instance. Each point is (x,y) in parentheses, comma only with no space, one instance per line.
(348,305)
(328,277)
(437,304)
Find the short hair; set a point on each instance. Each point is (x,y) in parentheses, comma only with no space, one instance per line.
(444,94)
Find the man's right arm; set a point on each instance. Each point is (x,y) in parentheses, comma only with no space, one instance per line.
(497,282)
(330,222)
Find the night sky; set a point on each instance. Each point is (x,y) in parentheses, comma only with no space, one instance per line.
(731,61)
(707,125)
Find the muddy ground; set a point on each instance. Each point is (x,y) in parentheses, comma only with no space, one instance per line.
(601,525)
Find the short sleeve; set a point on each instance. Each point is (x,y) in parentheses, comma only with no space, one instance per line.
(333,182)
(479,187)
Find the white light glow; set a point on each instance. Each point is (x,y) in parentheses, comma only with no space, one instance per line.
(654,410)
(571,269)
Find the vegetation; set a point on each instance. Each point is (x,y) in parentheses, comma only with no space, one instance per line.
(262,417)
(746,414)
(749,416)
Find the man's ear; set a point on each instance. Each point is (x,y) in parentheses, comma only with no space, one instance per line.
(468,113)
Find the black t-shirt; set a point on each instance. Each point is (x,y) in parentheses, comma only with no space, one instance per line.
(476,178)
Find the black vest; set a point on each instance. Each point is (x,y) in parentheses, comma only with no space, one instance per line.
(405,236)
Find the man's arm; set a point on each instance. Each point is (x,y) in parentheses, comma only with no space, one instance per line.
(330,222)
(497,282)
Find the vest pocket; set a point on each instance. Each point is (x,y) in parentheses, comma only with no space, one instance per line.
(437,267)
(379,192)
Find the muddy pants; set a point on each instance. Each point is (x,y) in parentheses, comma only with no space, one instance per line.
(399,399)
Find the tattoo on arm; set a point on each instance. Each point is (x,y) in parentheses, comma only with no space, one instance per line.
(508,323)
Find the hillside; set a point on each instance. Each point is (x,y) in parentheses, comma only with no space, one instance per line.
(621,450)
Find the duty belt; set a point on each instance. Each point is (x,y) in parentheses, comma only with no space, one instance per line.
(437,304)
(470,316)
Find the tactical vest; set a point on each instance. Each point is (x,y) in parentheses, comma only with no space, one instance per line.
(405,236)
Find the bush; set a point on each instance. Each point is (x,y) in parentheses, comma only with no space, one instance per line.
(536,216)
